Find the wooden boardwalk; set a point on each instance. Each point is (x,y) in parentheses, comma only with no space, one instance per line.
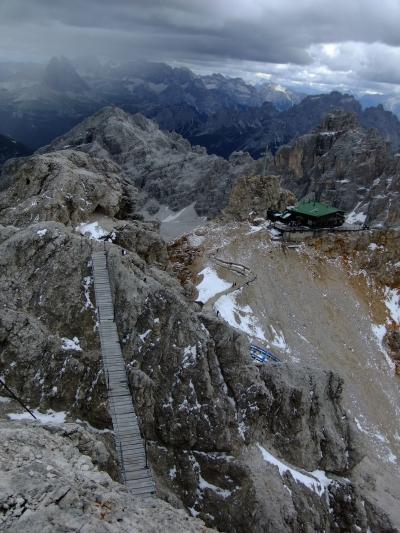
(130,448)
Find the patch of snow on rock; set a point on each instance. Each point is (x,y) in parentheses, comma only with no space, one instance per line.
(379,331)
(316,481)
(356,217)
(92,230)
(49,417)
(392,302)
(240,317)
(41,232)
(211,284)
(143,336)
(71,344)
(279,340)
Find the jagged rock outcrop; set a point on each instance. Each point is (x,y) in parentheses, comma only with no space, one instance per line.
(46,484)
(164,166)
(64,187)
(346,166)
(242,447)
(252,196)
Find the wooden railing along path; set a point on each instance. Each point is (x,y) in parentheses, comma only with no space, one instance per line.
(131,450)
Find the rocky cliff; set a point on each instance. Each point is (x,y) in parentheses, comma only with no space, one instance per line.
(345,165)
(241,446)
(252,196)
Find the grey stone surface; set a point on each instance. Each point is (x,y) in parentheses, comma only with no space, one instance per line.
(164,166)
(48,485)
(252,196)
(203,405)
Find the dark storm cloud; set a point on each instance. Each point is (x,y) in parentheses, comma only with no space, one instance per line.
(219,31)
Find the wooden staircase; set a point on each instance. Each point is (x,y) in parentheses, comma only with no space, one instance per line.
(131,450)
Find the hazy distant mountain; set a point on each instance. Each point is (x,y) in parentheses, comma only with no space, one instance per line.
(280,96)
(61,76)
(220,113)
(391,102)
(255,129)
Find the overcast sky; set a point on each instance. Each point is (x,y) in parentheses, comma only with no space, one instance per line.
(342,43)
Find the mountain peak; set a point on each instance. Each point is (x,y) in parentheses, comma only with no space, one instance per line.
(61,76)
(339,121)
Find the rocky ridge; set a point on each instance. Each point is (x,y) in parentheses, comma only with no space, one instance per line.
(238,445)
(164,166)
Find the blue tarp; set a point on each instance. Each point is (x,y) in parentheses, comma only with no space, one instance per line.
(263,356)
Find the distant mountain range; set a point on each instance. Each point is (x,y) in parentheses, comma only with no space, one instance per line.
(222,114)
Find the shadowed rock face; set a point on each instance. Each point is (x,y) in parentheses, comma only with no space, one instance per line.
(164,166)
(204,407)
(346,166)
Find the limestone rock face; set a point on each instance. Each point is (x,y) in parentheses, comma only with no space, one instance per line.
(376,251)
(66,187)
(233,443)
(344,165)
(252,196)
(164,166)
(46,484)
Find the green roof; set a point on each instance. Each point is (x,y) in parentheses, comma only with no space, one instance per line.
(314,209)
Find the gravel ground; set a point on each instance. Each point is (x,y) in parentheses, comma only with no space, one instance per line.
(314,312)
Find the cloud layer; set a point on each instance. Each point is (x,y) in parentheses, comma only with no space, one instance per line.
(313,41)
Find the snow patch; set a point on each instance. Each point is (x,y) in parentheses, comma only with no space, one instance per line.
(203,485)
(392,302)
(189,356)
(92,230)
(240,317)
(196,240)
(356,217)
(211,284)
(379,331)
(279,340)
(41,232)
(316,481)
(143,336)
(71,344)
(87,281)
(49,417)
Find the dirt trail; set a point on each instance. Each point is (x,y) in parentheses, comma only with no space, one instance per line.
(313,312)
